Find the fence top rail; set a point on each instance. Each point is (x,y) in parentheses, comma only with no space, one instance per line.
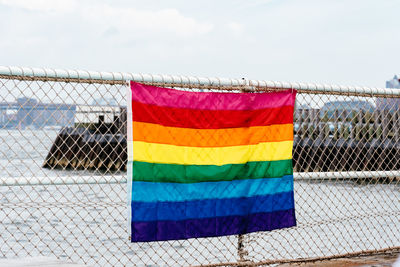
(45,74)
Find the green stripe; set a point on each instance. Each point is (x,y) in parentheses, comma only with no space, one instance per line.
(174,173)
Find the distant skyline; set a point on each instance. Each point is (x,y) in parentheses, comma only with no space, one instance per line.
(349,42)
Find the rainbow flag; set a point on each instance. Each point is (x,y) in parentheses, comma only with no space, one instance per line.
(205,164)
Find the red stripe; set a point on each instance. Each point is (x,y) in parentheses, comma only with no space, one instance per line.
(167,97)
(210,119)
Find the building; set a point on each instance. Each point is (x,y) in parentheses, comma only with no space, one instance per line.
(390,104)
(29,112)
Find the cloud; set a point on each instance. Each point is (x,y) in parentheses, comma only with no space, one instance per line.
(309,40)
(110,31)
(130,19)
(127,20)
(236,28)
(42,5)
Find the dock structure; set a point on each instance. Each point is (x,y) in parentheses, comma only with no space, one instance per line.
(342,141)
(346,141)
(91,146)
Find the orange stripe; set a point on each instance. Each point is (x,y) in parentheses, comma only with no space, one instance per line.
(155,133)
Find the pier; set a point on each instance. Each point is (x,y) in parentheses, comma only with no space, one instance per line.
(344,141)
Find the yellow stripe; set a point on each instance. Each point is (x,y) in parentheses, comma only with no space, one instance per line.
(170,154)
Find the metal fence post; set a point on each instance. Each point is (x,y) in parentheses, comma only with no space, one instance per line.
(242,253)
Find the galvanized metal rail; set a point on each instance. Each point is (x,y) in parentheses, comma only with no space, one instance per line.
(188,81)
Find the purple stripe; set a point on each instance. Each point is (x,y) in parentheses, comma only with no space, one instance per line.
(165,97)
(210,227)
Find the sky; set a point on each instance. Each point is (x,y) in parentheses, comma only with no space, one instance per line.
(348,42)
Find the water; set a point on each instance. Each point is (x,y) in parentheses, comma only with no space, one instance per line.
(88,223)
(22,152)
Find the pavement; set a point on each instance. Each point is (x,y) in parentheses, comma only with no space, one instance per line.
(376,260)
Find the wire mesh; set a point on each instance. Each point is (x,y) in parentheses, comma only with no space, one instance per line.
(63,191)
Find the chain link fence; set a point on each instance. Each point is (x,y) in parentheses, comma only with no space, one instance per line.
(63,189)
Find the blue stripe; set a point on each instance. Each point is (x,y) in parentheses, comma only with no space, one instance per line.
(197,209)
(173,192)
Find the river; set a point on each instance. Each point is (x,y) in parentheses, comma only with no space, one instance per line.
(88,223)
